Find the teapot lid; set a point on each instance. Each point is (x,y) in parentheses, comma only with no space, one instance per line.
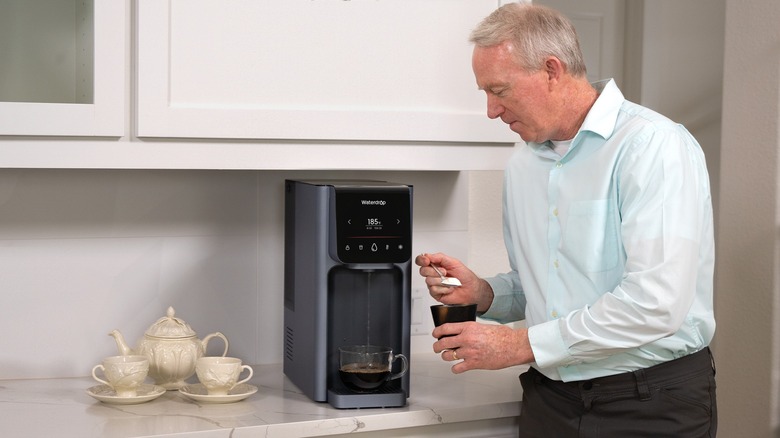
(170,327)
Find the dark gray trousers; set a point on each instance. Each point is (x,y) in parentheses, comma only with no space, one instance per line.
(673,399)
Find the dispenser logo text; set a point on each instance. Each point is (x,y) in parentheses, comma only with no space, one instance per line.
(377,202)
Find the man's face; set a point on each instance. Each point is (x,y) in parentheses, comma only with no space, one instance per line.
(519,97)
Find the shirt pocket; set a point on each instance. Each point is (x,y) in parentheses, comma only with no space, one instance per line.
(591,235)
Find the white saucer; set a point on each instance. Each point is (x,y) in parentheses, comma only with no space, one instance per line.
(144,394)
(199,393)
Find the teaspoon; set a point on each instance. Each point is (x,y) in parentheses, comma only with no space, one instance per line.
(446,281)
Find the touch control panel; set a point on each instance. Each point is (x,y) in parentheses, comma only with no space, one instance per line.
(374,225)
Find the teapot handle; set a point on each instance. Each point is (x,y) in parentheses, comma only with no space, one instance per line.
(206,340)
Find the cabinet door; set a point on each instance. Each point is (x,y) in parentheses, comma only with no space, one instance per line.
(88,60)
(389,70)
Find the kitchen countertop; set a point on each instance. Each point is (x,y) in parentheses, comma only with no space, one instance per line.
(62,407)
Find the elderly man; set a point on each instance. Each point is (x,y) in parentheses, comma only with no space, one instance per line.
(608,226)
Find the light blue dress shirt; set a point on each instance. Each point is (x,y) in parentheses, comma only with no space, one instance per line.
(611,245)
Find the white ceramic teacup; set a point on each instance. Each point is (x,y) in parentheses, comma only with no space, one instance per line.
(124,374)
(220,374)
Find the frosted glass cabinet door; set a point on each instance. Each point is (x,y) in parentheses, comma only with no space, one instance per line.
(100,27)
(394,70)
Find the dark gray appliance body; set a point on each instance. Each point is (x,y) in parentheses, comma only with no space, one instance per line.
(347,281)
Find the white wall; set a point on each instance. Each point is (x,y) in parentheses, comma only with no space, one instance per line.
(85,251)
(487,253)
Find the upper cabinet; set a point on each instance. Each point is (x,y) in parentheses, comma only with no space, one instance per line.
(244,84)
(311,70)
(62,67)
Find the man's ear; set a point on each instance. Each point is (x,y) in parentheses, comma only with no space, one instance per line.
(554,68)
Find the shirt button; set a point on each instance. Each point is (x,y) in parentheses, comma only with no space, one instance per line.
(558,164)
(554,314)
(555,263)
(555,212)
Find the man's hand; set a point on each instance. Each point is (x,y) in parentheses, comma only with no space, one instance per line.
(482,346)
(472,290)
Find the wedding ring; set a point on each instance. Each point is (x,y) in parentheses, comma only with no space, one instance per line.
(455,354)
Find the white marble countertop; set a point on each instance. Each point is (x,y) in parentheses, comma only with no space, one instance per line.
(62,407)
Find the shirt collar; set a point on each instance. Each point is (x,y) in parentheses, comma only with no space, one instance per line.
(602,117)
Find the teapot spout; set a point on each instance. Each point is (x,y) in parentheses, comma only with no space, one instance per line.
(121,345)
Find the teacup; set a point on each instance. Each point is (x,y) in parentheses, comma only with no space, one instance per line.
(365,368)
(220,374)
(124,374)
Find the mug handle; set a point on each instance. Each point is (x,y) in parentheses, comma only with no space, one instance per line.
(95,375)
(205,341)
(404,367)
(245,367)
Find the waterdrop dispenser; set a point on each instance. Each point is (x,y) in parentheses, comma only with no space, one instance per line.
(347,281)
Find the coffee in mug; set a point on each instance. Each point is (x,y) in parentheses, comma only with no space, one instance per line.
(365,368)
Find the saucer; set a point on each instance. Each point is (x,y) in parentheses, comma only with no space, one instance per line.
(199,393)
(144,394)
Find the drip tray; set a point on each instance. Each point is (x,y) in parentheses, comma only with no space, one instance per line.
(383,398)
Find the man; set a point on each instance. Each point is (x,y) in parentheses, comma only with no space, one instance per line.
(609,232)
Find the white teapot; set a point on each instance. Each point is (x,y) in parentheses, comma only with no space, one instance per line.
(172,348)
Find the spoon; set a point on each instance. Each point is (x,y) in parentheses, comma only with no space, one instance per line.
(446,281)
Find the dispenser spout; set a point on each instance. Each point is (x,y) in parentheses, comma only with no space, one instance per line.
(370,267)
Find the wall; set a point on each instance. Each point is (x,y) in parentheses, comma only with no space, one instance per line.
(83,252)
(689,36)
(487,253)
(748,263)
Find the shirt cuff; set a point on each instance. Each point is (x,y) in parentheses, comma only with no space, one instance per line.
(548,346)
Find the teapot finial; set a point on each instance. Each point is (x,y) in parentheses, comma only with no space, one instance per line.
(169,326)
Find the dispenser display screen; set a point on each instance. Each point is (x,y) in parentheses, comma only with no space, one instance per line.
(374,226)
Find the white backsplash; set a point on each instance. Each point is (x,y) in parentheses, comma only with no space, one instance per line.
(83,252)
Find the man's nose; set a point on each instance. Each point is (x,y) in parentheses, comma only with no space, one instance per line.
(494,107)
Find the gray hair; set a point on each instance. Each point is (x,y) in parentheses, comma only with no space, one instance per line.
(536,32)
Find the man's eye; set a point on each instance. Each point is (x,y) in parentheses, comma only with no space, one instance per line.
(498,92)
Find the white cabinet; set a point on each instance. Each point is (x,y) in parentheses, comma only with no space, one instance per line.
(248,84)
(63,67)
(361,70)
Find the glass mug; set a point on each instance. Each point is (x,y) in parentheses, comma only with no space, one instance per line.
(365,368)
